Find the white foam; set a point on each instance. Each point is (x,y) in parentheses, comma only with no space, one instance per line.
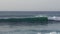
(48,33)
(41,16)
(38,33)
(53,33)
(54,18)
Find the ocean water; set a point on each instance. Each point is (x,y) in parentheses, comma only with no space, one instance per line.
(51,27)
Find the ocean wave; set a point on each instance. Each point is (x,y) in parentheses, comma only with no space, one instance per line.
(33,19)
(38,18)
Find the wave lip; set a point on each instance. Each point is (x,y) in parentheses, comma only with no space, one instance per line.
(41,16)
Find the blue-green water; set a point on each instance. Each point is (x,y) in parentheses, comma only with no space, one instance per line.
(51,27)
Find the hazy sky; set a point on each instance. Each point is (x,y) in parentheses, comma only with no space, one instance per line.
(30,5)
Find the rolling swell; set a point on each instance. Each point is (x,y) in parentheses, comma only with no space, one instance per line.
(27,20)
(34,19)
(24,21)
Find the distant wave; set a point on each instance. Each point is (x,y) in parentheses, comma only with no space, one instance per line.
(43,20)
(31,19)
(38,18)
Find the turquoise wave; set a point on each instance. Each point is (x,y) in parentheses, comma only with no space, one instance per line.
(33,19)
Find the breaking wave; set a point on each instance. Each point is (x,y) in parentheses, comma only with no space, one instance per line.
(33,19)
(38,18)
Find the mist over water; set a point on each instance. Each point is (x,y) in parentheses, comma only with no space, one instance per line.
(53,27)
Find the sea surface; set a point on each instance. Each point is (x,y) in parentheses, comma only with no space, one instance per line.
(52,27)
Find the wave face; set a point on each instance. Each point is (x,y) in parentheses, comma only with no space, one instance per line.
(33,19)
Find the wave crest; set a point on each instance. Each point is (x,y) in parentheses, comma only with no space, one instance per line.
(41,16)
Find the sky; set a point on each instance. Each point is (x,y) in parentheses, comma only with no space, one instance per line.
(29,5)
